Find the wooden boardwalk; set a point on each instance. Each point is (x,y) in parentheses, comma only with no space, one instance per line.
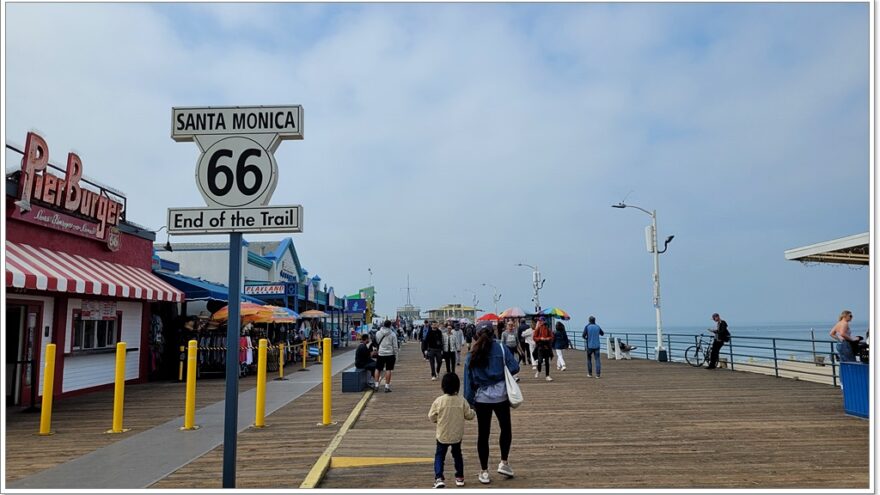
(644,424)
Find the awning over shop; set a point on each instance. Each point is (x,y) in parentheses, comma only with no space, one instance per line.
(852,250)
(30,267)
(197,289)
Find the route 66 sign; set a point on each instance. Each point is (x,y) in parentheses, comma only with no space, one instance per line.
(235,172)
(237,167)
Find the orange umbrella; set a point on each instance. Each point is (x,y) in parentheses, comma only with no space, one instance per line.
(246,310)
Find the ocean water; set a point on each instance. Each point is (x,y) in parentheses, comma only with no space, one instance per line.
(748,341)
(763,330)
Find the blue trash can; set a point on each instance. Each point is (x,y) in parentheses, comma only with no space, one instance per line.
(856,398)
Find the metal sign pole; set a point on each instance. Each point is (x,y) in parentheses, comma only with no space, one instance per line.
(230,426)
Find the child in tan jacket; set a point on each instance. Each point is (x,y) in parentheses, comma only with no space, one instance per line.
(449,411)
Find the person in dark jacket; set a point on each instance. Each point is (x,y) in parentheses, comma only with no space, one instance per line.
(432,348)
(363,360)
(560,342)
(722,335)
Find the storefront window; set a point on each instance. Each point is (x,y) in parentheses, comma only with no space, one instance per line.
(93,334)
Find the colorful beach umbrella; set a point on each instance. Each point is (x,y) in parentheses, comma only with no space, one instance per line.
(275,314)
(313,313)
(246,310)
(514,312)
(556,313)
(488,317)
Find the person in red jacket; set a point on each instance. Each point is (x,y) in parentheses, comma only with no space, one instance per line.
(543,337)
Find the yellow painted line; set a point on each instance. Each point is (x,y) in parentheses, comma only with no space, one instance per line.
(316,474)
(344,462)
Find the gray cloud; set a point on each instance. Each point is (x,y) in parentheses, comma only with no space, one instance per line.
(452,141)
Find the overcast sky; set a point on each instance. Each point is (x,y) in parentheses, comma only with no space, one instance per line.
(450,142)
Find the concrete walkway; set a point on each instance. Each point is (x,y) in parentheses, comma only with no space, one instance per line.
(143,459)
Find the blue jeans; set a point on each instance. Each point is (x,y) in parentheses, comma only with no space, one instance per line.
(595,353)
(440,459)
(845,352)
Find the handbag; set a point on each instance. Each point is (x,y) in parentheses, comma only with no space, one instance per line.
(514,394)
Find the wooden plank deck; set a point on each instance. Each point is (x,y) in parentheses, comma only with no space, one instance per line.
(644,424)
(79,424)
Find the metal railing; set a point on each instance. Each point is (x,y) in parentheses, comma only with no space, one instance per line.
(808,359)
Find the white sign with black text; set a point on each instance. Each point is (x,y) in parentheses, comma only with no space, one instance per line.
(263,219)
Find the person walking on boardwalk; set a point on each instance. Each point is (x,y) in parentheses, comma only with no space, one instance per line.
(486,391)
(363,360)
(449,411)
(560,342)
(591,335)
(451,347)
(543,337)
(722,335)
(388,350)
(841,333)
(528,336)
(432,348)
(508,338)
(523,347)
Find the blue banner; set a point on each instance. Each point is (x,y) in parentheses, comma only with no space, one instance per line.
(356,305)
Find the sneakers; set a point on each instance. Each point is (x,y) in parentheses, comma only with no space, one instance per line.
(387,388)
(537,374)
(549,378)
(375,387)
(484,477)
(505,469)
(597,377)
(433,378)
(589,375)
(459,481)
(438,483)
(562,369)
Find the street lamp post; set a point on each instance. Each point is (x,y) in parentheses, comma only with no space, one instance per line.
(371,276)
(660,350)
(475,301)
(537,284)
(496,296)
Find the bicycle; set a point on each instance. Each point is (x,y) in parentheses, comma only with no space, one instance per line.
(697,355)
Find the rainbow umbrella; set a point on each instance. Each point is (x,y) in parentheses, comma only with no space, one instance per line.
(556,313)
(514,312)
(488,317)
(314,313)
(247,310)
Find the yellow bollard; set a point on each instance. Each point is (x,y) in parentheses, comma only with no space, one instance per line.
(192,361)
(280,361)
(305,353)
(119,390)
(180,368)
(48,386)
(328,385)
(260,416)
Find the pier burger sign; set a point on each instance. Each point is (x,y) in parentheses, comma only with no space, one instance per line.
(61,203)
(236,173)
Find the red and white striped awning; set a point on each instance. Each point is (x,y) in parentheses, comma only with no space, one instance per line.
(31,267)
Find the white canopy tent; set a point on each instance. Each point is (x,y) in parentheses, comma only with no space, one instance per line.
(852,250)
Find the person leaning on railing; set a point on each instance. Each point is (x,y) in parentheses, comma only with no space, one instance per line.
(722,335)
(845,341)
